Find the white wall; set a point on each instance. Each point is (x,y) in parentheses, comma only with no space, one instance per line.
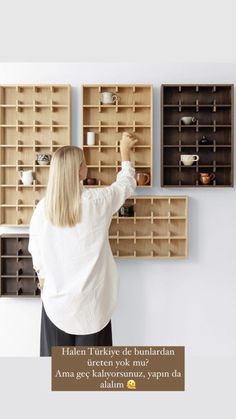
(189,302)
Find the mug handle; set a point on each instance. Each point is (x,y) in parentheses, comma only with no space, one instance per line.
(148,178)
(194,119)
(212,176)
(115,98)
(196,159)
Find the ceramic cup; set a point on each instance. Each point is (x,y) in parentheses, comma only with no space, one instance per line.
(206,178)
(188,159)
(43,159)
(91,181)
(108,98)
(143,178)
(26,177)
(90,138)
(126,210)
(187,120)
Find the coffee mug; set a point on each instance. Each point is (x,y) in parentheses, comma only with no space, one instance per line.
(91,181)
(126,210)
(143,178)
(188,159)
(187,120)
(43,159)
(206,178)
(90,138)
(108,98)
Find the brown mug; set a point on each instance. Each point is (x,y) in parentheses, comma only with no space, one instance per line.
(91,181)
(143,178)
(206,178)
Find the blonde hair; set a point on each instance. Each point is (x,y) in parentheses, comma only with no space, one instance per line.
(63,194)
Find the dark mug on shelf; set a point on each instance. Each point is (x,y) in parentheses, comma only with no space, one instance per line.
(204,141)
(127,210)
(205,177)
(90,181)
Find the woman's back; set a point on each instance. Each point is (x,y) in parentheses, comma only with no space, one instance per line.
(80,275)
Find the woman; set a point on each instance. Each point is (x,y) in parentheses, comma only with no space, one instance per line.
(69,244)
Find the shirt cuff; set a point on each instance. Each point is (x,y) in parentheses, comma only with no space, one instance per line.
(126,163)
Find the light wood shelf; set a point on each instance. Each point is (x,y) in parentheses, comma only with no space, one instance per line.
(33,119)
(132,113)
(157,230)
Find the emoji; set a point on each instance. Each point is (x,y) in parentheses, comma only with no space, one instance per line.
(131,385)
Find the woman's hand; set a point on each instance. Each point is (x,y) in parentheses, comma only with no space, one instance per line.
(126,144)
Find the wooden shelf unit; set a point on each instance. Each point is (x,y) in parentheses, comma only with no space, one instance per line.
(158,229)
(18,278)
(213,107)
(132,113)
(33,119)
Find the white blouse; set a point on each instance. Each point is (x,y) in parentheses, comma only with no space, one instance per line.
(76,266)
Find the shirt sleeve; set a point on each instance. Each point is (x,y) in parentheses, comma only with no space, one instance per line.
(33,245)
(122,188)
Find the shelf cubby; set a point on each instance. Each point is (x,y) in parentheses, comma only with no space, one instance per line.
(132,113)
(33,119)
(212,106)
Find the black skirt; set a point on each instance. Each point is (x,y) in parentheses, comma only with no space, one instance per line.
(51,335)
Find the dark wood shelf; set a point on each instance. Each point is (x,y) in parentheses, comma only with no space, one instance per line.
(212,106)
(18,278)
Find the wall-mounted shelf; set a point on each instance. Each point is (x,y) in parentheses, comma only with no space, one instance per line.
(132,113)
(33,119)
(158,229)
(18,278)
(212,106)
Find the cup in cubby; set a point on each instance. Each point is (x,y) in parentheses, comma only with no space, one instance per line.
(206,178)
(109,98)
(43,159)
(143,178)
(189,159)
(188,120)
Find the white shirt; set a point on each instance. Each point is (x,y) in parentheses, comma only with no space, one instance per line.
(81,279)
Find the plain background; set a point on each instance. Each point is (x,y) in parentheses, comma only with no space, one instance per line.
(189,303)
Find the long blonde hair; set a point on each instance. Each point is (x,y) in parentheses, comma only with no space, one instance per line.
(63,194)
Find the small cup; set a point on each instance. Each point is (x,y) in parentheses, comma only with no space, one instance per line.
(90,138)
(43,159)
(109,98)
(188,120)
(143,178)
(188,159)
(206,178)
(91,181)
(126,210)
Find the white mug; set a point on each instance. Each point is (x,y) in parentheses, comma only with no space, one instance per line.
(90,138)
(188,159)
(108,98)
(26,177)
(187,120)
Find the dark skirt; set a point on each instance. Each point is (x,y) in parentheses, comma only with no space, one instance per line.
(51,335)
